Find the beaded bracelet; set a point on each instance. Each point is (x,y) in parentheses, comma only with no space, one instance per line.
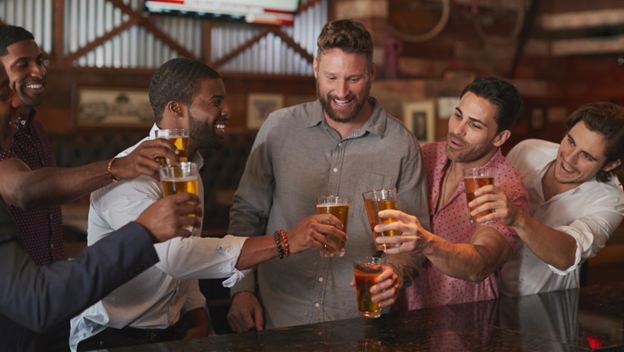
(285,242)
(280,251)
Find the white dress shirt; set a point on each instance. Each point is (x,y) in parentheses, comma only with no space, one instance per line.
(589,213)
(157,298)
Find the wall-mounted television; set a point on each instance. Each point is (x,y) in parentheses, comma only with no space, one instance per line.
(271,12)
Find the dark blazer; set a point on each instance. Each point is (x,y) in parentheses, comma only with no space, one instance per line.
(34,298)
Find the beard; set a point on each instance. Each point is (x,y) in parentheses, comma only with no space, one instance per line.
(326,104)
(203,134)
(470,152)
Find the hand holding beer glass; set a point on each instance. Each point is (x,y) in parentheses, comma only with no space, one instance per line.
(366,271)
(376,201)
(177,179)
(475,178)
(338,207)
(179,137)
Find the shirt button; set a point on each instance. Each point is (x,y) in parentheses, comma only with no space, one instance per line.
(51,245)
(23,122)
(522,280)
(317,305)
(526,256)
(340,144)
(335,169)
(51,216)
(320,279)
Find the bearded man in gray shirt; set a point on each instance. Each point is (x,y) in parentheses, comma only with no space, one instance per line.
(343,144)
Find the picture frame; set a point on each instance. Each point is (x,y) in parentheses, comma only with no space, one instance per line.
(419,118)
(259,106)
(537,118)
(113,107)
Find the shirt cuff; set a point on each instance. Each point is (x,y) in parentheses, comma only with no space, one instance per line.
(231,247)
(581,244)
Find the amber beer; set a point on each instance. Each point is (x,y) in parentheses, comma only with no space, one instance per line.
(366,271)
(376,201)
(475,178)
(179,137)
(179,185)
(338,207)
(181,178)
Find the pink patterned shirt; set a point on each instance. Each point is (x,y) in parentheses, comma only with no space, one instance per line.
(433,288)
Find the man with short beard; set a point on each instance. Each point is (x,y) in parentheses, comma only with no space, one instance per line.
(461,259)
(344,144)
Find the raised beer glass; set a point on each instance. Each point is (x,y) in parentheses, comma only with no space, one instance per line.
(179,137)
(475,178)
(376,201)
(338,207)
(181,178)
(366,271)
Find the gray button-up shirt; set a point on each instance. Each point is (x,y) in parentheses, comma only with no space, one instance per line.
(297,157)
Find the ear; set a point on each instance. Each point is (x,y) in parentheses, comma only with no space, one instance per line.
(175,109)
(373,72)
(502,138)
(612,165)
(315,64)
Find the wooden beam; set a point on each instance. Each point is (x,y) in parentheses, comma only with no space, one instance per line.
(288,40)
(145,22)
(58,25)
(207,41)
(103,39)
(524,36)
(582,19)
(242,47)
(588,46)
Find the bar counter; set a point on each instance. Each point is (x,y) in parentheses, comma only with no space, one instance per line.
(591,318)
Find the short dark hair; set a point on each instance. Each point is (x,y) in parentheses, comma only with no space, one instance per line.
(608,120)
(348,35)
(10,35)
(501,93)
(178,80)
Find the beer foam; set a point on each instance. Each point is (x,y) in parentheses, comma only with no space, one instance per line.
(331,205)
(180,179)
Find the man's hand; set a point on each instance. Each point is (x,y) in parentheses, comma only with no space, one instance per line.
(414,237)
(168,217)
(245,313)
(196,319)
(387,284)
(142,159)
(310,232)
(493,198)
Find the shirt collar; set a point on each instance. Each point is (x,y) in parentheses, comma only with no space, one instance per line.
(375,124)
(24,122)
(197,158)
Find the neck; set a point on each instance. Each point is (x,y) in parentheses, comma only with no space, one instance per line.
(25,111)
(346,128)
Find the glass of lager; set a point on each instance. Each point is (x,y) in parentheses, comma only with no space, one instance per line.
(338,207)
(366,271)
(179,137)
(475,178)
(376,201)
(178,179)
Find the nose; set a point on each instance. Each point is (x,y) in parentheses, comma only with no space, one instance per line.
(460,128)
(38,71)
(342,89)
(226,111)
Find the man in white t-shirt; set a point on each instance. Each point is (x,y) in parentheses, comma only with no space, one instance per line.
(576,201)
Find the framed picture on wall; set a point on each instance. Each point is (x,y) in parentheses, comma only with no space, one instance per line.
(113,107)
(419,117)
(537,118)
(259,106)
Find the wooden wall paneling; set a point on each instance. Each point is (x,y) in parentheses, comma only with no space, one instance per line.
(207,42)
(58,27)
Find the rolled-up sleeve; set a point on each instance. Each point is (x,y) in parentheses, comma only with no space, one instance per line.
(202,258)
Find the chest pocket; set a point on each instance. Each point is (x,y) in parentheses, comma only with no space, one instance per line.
(369,182)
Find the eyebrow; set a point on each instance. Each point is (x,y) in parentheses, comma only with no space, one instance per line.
(591,156)
(471,118)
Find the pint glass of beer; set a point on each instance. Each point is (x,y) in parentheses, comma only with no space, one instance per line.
(366,271)
(178,179)
(376,201)
(338,207)
(475,178)
(179,137)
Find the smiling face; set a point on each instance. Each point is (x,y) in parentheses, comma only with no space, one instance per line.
(208,115)
(24,64)
(9,105)
(581,155)
(472,133)
(343,83)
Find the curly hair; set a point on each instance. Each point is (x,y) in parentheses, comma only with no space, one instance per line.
(348,35)
(10,35)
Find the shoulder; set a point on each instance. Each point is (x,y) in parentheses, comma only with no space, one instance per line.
(531,149)
(296,114)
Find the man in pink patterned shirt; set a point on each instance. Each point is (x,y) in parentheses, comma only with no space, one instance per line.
(460,259)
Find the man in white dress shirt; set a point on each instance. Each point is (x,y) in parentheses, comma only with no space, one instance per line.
(576,201)
(155,305)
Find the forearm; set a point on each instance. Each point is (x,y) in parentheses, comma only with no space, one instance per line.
(551,246)
(196,319)
(52,186)
(255,251)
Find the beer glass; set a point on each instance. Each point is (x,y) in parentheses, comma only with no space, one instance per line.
(178,179)
(338,207)
(376,201)
(179,137)
(475,178)
(366,271)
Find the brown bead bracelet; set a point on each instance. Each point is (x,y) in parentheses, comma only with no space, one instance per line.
(280,251)
(285,242)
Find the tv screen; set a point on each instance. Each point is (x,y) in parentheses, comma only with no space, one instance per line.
(271,12)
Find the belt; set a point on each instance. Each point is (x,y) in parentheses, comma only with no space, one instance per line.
(174,332)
